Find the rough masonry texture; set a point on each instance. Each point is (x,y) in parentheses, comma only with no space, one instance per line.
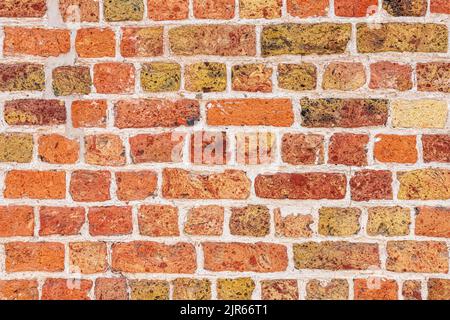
(224,149)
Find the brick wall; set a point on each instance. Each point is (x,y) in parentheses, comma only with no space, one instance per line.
(224,149)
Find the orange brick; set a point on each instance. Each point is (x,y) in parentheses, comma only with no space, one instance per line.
(214,9)
(55,148)
(279,290)
(292,226)
(355,8)
(255,147)
(308,8)
(35,184)
(19,289)
(257,9)
(61,220)
(158,221)
(23,8)
(108,221)
(440,6)
(348,149)
(104,150)
(433,222)
(114,77)
(208,147)
(34,256)
(345,76)
(252,78)
(87,257)
(371,185)
(302,148)
(395,148)
(90,186)
(95,43)
(168,9)
(136,185)
(164,147)
(375,289)
(89,113)
(438,289)
(79,10)
(16,221)
(205,221)
(142,42)
(66,289)
(390,75)
(111,289)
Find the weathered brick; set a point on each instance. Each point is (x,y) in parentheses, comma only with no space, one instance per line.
(390,75)
(253,77)
(411,290)
(417,256)
(156,113)
(34,256)
(214,9)
(19,289)
(239,257)
(163,147)
(440,6)
(375,289)
(114,77)
(424,184)
(312,186)
(54,148)
(422,113)
(412,8)
(160,77)
(279,290)
(433,222)
(108,221)
(191,289)
(35,184)
(135,185)
(346,113)
(182,184)
(104,150)
(79,10)
(434,77)
(352,8)
(402,37)
(208,147)
(153,257)
(95,43)
(61,220)
(250,112)
(16,147)
(221,40)
(338,255)
(206,77)
(292,226)
(87,257)
(345,76)
(70,80)
(158,220)
(255,147)
(89,113)
(302,149)
(251,221)
(297,77)
(22,77)
(124,10)
(66,289)
(368,185)
(334,289)
(257,9)
(90,186)
(149,290)
(438,289)
(235,289)
(305,39)
(36,42)
(23,8)
(205,221)
(34,112)
(308,8)
(339,221)
(388,221)
(395,148)
(168,9)
(111,289)
(16,221)
(348,149)
(436,148)
(142,42)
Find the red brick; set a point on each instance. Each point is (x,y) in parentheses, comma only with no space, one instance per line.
(371,185)
(104,150)
(16,221)
(182,184)
(329,289)
(255,147)
(89,113)
(440,6)
(433,77)
(345,76)
(308,8)
(390,75)
(61,220)
(90,186)
(87,257)
(66,289)
(436,147)
(114,77)
(438,289)
(111,289)
(95,43)
(214,9)
(375,289)
(154,257)
(158,221)
(412,290)
(35,112)
(348,149)
(58,149)
(19,289)
(205,221)
(279,290)
(164,147)
(36,42)
(240,257)
(352,8)
(312,186)
(79,10)
(156,113)
(168,9)
(250,112)
(34,256)
(209,147)
(136,185)
(142,42)
(23,8)
(35,184)
(395,148)
(298,148)
(433,222)
(108,221)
